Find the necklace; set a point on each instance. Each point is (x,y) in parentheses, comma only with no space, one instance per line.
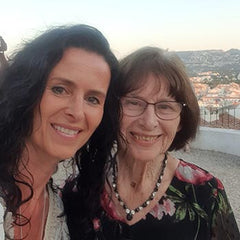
(43,216)
(130,212)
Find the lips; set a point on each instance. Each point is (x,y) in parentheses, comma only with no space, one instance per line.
(145,138)
(66,131)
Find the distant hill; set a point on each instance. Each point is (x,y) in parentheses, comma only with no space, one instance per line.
(224,62)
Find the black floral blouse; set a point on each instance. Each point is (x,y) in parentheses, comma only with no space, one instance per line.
(195,206)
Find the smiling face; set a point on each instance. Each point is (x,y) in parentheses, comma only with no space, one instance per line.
(72,105)
(147,136)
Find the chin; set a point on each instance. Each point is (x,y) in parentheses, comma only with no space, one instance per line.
(65,155)
(144,155)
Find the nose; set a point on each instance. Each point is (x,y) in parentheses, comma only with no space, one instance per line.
(149,119)
(75,108)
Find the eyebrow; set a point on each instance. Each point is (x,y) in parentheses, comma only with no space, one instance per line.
(97,93)
(166,99)
(72,84)
(62,80)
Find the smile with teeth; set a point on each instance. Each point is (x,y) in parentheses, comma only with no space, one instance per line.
(66,131)
(145,138)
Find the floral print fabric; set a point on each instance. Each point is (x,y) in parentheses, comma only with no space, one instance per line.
(195,206)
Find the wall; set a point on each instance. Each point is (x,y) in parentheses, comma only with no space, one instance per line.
(218,139)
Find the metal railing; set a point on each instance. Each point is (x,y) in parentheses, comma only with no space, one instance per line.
(224,117)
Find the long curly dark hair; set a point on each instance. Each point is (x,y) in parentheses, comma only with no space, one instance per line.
(21,89)
(81,195)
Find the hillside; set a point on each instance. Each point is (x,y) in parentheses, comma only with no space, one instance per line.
(224,62)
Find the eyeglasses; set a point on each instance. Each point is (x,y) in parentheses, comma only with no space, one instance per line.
(165,110)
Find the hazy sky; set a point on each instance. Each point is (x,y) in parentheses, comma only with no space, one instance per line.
(130,24)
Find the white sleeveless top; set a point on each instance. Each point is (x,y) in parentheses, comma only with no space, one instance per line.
(1,221)
(56,227)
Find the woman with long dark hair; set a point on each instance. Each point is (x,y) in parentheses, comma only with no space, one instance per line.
(53,96)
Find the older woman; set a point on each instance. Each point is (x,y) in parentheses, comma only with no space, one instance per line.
(52,99)
(150,194)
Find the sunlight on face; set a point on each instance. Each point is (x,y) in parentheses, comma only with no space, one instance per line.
(147,135)
(72,104)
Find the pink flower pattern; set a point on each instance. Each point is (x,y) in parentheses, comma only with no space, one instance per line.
(220,185)
(190,173)
(159,210)
(109,206)
(96,224)
(193,196)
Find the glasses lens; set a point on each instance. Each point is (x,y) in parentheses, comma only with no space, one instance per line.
(168,110)
(133,106)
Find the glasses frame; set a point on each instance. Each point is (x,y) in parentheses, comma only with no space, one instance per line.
(154,104)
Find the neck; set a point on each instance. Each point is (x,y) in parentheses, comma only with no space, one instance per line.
(136,172)
(130,212)
(35,172)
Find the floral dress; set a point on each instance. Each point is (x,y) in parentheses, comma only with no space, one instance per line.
(195,206)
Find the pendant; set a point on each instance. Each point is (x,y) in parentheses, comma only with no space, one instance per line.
(133,184)
(129,212)
(129,216)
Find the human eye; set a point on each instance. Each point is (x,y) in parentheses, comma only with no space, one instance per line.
(58,90)
(134,102)
(93,100)
(165,106)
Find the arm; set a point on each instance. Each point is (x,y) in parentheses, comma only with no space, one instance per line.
(224,225)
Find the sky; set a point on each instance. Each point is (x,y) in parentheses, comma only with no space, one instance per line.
(177,25)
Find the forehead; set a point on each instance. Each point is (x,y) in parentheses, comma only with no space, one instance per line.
(152,85)
(77,60)
(78,56)
(81,69)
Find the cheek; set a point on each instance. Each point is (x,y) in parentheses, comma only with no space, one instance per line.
(174,127)
(127,125)
(170,127)
(179,127)
(37,120)
(124,124)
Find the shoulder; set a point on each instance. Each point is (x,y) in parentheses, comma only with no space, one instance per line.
(56,227)
(191,173)
(55,201)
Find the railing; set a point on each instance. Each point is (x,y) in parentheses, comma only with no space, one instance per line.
(224,117)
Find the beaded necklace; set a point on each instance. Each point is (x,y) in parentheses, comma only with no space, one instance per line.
(130,212)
